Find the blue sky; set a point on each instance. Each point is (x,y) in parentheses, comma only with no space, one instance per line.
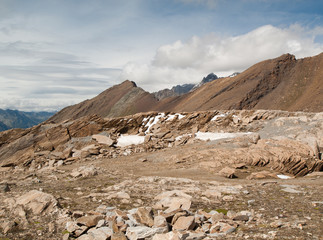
(55,53)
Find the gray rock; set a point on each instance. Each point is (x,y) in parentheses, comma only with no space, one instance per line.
(102,233)
(134,233)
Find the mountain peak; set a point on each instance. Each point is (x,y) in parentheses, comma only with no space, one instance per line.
(128,83)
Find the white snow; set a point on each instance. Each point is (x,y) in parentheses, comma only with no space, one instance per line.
(216,136)
(218,116)
(152,121)
(127,140)
(281,176)
(180,116)
(172,116)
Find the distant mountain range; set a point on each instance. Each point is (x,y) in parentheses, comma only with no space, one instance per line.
(179,90)
(283,83)
(18,119)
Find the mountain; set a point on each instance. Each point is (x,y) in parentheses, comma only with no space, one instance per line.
(208,78)
(119,100)
(177,90)
(283,83)
(19,119)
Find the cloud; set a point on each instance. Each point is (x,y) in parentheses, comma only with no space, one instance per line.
(210,3)
(183,62)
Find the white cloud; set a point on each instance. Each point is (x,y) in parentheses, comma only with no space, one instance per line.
(210,3)
(187,62)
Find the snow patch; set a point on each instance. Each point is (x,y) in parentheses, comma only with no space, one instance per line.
(172,116)
(216,136)
(218,116)
(127,140)
(152,121)
(281,176)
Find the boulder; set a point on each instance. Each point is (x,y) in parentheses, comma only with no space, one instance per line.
(105,140)
(89,221)
(38,202)
(184,223)
(144,216)
(228,172)
(142,232)
(102,233)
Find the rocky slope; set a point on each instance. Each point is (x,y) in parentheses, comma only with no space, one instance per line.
(191,175)
(18,119)
(283,83)
(120,100)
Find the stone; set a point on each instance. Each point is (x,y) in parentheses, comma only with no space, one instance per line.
(101,223)
(71,226)
(118,236)
(228,172)
(217,217)
(168,236)
(8,226)
(160,221)
(277,224)
(84,171)
(102,233)
(103,140)
(38,202)
(222,227)
(77,214)
(243,218)
(261,175)
(82,229)
(123,195)
(144,216)
(212,193)
(195,236)
(290,188)
(184,223)
(66,236)
(142,232)
(173,200)
(90,221)
(85,237)
(177,216)
(169,215)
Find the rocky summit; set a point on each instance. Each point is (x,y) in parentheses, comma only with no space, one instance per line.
(231,174)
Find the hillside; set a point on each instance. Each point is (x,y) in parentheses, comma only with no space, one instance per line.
(19,119)
(120,100)
(283,83)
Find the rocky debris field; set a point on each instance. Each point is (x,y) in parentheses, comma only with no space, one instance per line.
(202,175)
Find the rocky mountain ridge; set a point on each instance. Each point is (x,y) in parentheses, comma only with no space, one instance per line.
(283,83)
(180,90)
(177,90)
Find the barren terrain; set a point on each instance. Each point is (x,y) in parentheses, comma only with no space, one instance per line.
(202,175)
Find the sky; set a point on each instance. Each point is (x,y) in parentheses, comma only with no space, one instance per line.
(54,53)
